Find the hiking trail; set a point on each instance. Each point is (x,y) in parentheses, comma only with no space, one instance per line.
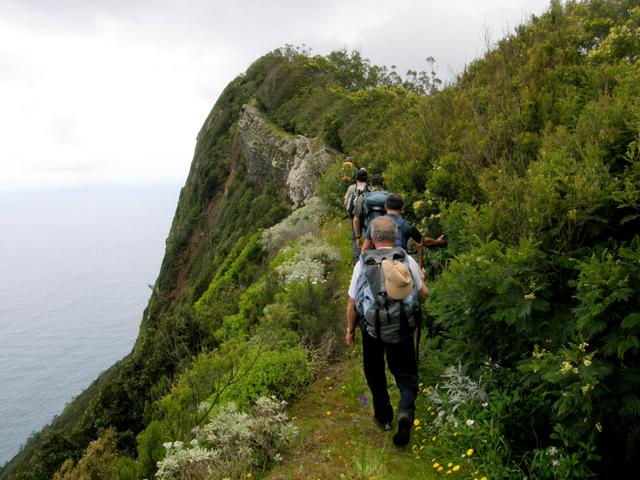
(337,436)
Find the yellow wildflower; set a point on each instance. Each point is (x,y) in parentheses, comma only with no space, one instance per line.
(416,422)
(436,465)
(586,388)
(484,478)
(566,368)
(449,464)
(469,452)
(448,472)
(440,468)
(456,468)
(327,413)
(433,439)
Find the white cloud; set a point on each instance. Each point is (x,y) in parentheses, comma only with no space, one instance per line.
(115,92)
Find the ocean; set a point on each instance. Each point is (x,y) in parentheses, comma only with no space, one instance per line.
(75,266)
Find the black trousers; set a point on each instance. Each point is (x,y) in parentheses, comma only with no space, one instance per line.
(401,359)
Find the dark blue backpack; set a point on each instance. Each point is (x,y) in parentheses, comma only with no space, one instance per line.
(401,239)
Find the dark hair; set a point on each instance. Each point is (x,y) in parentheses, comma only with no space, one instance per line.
(395,202)
(377,181)
(362,175)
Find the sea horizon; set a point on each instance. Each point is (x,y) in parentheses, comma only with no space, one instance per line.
(76,264)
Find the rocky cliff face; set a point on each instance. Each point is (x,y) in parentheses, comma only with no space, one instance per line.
(292,162)
(260,162)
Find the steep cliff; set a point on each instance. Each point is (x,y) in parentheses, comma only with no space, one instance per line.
(267,169)
(246,175)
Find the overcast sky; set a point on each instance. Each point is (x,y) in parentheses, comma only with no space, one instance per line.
(115,91)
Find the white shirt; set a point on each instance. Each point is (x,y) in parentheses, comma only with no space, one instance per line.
(352,188)
(413,266)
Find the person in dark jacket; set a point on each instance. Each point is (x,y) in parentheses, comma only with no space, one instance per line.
(406,230)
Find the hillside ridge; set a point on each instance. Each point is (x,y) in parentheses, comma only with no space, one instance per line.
(529,164)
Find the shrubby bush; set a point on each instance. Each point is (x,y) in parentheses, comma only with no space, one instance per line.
(493,302)
(305,220)
(98,460)
(232,444)
(310,261)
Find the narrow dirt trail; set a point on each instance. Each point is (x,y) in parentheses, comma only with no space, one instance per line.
(337,436)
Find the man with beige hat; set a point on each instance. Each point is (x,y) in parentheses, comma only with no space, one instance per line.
(386,289)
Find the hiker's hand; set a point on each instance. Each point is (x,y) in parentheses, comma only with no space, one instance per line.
(358,243)
(349,338)
(441,239)
(423,273)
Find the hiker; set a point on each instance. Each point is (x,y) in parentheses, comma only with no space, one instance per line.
(368,207)
(386,288)
(354,192)
(394,207)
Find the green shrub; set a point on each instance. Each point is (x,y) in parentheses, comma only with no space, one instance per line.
(282,372)
(98,460)
(150,449)
(493,302)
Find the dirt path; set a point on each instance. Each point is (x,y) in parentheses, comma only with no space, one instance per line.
(338,438)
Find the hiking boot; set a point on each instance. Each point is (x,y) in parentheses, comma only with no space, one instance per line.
(402,436)
(386,426)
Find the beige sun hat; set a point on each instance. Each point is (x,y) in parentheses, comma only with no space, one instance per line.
(398,279)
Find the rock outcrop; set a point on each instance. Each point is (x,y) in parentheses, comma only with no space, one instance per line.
(292,162)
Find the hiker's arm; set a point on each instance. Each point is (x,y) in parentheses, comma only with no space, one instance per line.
(366,245)
(357,227)
(438,242)
(351,323)
(424,290)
